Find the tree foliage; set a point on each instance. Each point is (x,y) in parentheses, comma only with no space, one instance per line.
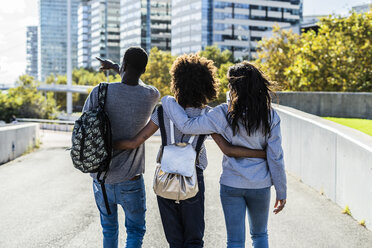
(80,76)
(214,53)
(336,58)
(277,53)
(25,101)
(222,76)
(157,70)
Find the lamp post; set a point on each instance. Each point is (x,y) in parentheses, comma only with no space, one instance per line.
(69,66)
(106,37)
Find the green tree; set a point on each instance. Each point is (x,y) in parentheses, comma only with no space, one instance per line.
(157,70)
(25,101)
(335,58)
(80,76)
(276,54)
(222,76)
(214,53)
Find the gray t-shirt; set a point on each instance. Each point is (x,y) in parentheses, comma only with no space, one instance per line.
(129,109)
(202,161)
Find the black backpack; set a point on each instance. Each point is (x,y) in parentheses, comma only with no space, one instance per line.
(91,149)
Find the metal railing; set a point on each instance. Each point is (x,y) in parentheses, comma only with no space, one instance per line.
(45,121)
(55,125)
(82,89)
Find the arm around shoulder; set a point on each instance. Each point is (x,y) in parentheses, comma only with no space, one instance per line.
(204,124)
(236,151)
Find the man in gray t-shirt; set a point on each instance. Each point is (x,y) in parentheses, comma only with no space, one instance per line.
(129,105)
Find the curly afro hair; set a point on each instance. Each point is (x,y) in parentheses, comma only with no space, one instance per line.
(194,81)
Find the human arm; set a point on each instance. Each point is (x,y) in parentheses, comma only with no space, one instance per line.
(275,162)
(236,151)
(107,64)
(139,139)
(203,124)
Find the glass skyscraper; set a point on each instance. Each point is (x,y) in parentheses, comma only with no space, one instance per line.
(53,36)
(237,24)
(146,24)
(84,34)
(100,41)
(31,51)
(192,28)
(160,24)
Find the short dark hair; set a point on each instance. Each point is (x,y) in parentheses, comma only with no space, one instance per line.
(136,57)
(194,81)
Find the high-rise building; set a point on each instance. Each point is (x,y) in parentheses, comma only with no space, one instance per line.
(84,34)
(105,14)
(192,25)
(31,51)
(236,25)
(160,24)
(146,24)
(363,8)
(53,36)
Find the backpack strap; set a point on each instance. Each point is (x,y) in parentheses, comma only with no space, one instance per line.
(162,127)
(102,94)
(104,194)
(198,147)
(200,141)
(171,125)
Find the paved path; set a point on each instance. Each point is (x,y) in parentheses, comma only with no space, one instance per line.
(45,202)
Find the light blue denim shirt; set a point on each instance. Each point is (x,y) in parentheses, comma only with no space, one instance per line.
(248,173)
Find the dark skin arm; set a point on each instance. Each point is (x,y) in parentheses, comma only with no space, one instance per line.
(107,64)
(226,147)
(236,151)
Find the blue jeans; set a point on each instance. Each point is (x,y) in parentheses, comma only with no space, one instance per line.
(235,202)
(131,196)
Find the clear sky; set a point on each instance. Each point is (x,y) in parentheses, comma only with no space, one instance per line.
(15,15)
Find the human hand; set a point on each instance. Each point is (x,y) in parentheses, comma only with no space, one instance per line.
(281,204)
(106,64)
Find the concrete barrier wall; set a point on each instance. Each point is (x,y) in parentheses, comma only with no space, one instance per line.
(17,139)
(331,158)
(335,104)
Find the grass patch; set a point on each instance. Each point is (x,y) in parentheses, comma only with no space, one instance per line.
(362,223)
(362,125)
(346,210)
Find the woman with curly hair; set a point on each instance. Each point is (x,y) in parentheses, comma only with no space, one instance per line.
(248,120)
(194,84)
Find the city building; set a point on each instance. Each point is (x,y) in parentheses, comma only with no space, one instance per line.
(192,25)
(160,24)
(31,51)
(362,8)
(52,54)
(235,25)
(146,24)
(84,34)
(105,31)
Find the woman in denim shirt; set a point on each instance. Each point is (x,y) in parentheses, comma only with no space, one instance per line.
(249,121)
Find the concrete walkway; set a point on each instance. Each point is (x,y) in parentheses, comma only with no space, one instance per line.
(45,202)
